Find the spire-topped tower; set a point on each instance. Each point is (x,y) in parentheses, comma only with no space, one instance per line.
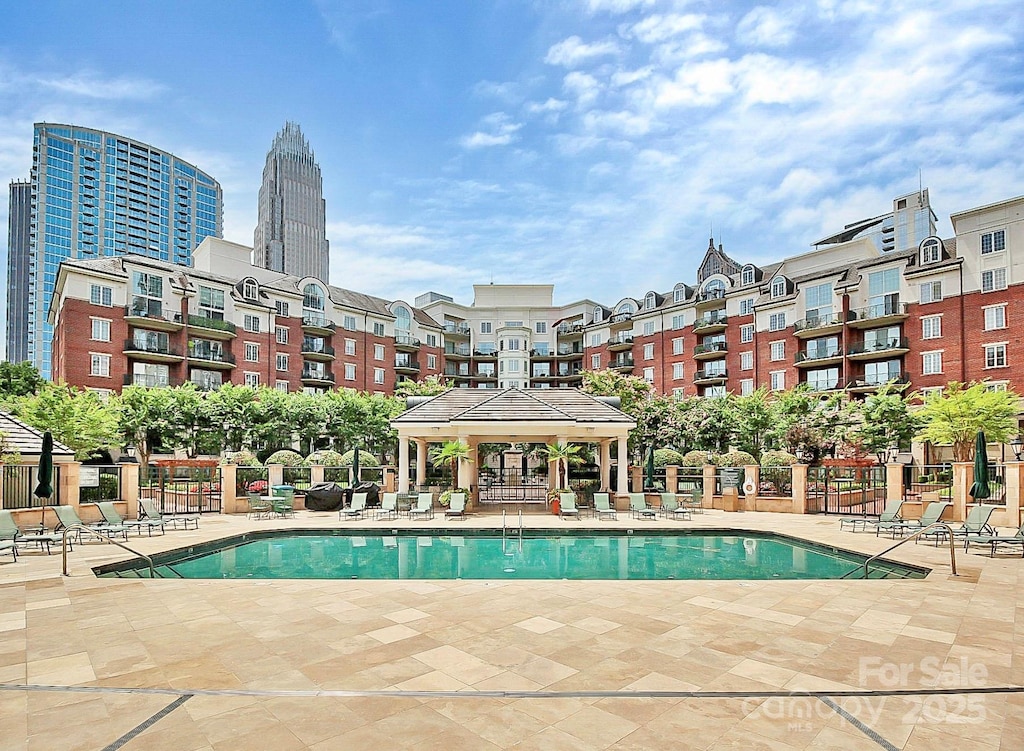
(291,233)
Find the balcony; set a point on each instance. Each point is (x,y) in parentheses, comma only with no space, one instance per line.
(819,386)
(317,377)
(622,362)
(406,343)
(150,316)
(317,352)
(212,328)
(818,326)
(149,381)
(712,298)
(481,354)
(536,354)
(569,329)
(710,377)
(151,352)
(710,351)
(211,358)
(818,356)
(710,324)
(878,350)
(485,375)
(456,351)
(569,373)
(567,351)
(619,319)
(620,342)
(543,374)
(407,365)
(881,314)
(451,372)
(864,384)
(457,330)
(318,324)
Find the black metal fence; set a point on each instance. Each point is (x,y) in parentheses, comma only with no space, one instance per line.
(19,482)
(846,490)
(184,490)
(108,484)
(298,477)
(251,480)
(776,482)
(930,479)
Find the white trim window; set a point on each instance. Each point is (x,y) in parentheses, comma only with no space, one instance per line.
(648,328)
(281,334)
(595,340)
(778,380)
(650,302)
(282,362)
(100,329)
(252,352)
(931,363)
(995,355)
(678,321)
(747,306)
(648,351)
(931,292)
(250,290)
(431,362)
(995,317)
(350,347)
(350,372)
(679,293)
(281,386)
(677,346)
(678,371)
(993,279)
(649,375)
(746,386)
(378,375)
(993,242)
(778,351)
(378,351)
(101,295)
(746,333)
(746,360)
(776,321)
(349,323)
(931,327)
(931,251)
(252,380)
(378,328)
(747,275)
(251,323)
(778,288)
(99,365)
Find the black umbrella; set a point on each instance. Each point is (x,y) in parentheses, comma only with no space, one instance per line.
(355,466)
(649,481)
(980,489)
(45,474)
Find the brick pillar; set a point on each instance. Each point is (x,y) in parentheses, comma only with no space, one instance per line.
(799,488)
(1012,477)
(130,488)
(893,481)
(962,473)
(636,476)
(709,486)
(672,478)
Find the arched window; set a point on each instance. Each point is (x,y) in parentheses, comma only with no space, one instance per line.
(747,275)
(714,289)
(250,290)
(403,320)
(626,307)
(778,287)
(598,314)
(650,301)
(679,293)
(930,251)
(313,304)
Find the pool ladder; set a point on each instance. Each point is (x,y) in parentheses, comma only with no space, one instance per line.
(153,573)
(908,538)
(504,525)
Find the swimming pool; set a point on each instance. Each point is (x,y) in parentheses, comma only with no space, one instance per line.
(482,554)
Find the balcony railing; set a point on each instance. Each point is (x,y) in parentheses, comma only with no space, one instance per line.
(817,322)
(819,353)
(620,317)
(211,355)
(154,312)
(564,350)
(891,307)
(541,353)
(457,372)
(622,362)
(701,349)
(407,341)
(318,322)
(878,380)
(457,329)
(460,350)
(620,339)
(130,345)
(878,346)
(149,381)
(211,323)
(317,349)
(407,363)
(830,385)
(706,321)
(569,328)
(484,353)
(711,294)
(569,372)
(317,375)
(710,375)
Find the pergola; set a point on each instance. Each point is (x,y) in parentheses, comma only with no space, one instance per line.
(475,416)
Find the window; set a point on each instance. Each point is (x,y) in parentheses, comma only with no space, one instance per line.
(677,322)
(746,333)
(542,348)
(993,279)
(677,371)
(595,340)
(100,295)
(350,346)
(818,301)
(746,387)
(677,346)
(541,327)
(931,363)
(650,301)
(282,362)
(282,310)
(378,328)
(281,334)
(349,323)
(777,322)
(648,328)
(281,386)
(252,352)
(747,275)
(679,293)
(252,380)
(778,382)
(626,308)
(931,251)
(350,372)
(431,362)
(996,386)
(514,324)
(877,373)
(679,392)
(648,351)
(778,351)
(824,379)
(598,314)
(378,375)
(485,327)
(649,375)
(100,330)
(99,365)
(513,345)
(148,292)
(211,303)
(995,317)
(250,290)
(378,351)
(595,362)
(714,392)
(252,324)
(993,242)
(778,287)
(995,355)
(747,306)
(931,291)
(931,327)
(746,360)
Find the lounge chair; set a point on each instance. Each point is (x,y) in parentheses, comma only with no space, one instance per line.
(258,506)
(356,509)
(456,506)
(8,539)
(114,519)
(995,540)
(891,513)
(567,506)
(388,507)
(67,517)
(930,516)
(976,523)
(149,509)
(639,509)
(603,506)
(670,507)
(10,530)
(424,507)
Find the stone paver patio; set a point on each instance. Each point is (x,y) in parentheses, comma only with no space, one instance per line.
(297,664)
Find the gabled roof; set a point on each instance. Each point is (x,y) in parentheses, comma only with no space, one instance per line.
(513,405)
(26,440)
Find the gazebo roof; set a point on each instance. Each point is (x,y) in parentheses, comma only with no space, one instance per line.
(26,440)
(514,405)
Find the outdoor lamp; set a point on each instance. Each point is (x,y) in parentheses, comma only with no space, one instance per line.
(1017,444)
(711,457)
(800,454)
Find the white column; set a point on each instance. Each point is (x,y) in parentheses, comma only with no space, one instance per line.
(623,465)
(403,464)
(463,472)
(421,463)
(606,464)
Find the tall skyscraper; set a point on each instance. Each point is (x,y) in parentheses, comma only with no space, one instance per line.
(99,194)
(291,234)
(18,261)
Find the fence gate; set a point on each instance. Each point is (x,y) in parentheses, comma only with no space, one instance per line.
(184,489)
(851,491)
(513,487)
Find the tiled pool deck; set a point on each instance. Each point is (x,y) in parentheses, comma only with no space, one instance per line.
(297,664)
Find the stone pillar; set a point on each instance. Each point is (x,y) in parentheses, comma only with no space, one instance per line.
(389,479)
(316,474)
(1012,478)
(962,481)
(893,481)
(606,465)
(709,486)
(421,466)
(623,467)
(69,483)
(403,464)
(636,474)
(130,488)
(751,485)
(799,488)
(228,480)
(672,479)
(275,475)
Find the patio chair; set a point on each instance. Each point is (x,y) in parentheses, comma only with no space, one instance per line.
(284,504)
(150,509)
(356,509)
(639,509)
(456,506)
(567,505)
(995,540)
(114,519)
(930,516)
(388,507)
(976,523)
(67,517)
(424,507)
(258,506)
(8,538)
(692,501)
(670,507)
(11,530)
(891,513)
(603,506)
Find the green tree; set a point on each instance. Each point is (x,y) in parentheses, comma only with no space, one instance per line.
(78,419)
(191,425)
(954,417)
(632,391)
(432,385)
(144,418)
(563,454)
(706,424)
(752,417)
(19,379)
(450,453)
(882,420)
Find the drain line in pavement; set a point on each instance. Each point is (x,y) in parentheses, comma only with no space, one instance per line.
(869,732)
(143,726)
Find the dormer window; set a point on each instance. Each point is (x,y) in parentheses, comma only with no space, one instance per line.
(778,287)
(626,307)
(650,301)
(679,293)
(747,275)
(250,290)
(597,314)
(931,251)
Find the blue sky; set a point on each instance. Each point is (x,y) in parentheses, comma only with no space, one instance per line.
(587,143)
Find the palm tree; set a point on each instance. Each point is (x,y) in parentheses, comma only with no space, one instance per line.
(451,452)
(563,454)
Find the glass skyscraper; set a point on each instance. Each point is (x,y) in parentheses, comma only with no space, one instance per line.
(291,233)
(19,253)
(99,194)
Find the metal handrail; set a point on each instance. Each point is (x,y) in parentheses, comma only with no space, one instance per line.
(520,524)
(912,536)
(94,531)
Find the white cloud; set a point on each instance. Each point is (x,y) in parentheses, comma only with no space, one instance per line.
(500,131)
(616,7)
(658,28)
(766,27)
(571,52)
(698,85)
(549,105)
(583,87)
(94,86)
(625,124)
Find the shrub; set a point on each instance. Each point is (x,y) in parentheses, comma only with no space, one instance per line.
(665,457)
(287,457)
(326,457)
(243,458)
(366,459)
(696,459)
(735,459)
(777,459)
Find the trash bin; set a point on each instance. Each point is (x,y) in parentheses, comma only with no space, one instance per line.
(281,489)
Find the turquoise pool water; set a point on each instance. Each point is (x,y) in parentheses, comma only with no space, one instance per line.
(315,554)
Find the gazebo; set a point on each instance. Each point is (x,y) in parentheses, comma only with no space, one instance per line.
(475,416)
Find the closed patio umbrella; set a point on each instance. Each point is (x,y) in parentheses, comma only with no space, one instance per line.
(355,466)
(649,480)
(980,489)
(45,474)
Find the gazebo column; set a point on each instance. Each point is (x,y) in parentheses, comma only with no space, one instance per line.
(403,464)
(421,462)
(606,464)
(464,466)
(622,480)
